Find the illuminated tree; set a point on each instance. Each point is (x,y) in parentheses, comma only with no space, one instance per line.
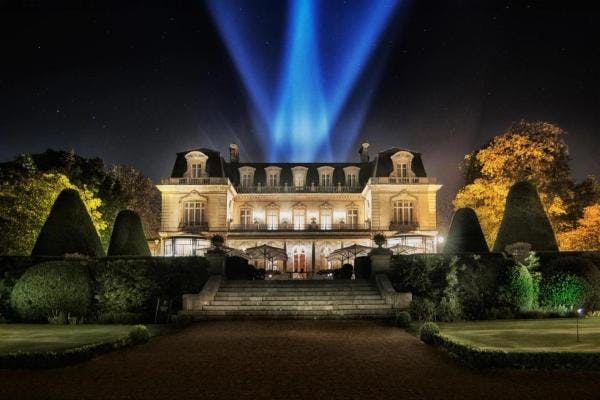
(535,152)
(586,236)
(525,221)
(68,229)
(25,204)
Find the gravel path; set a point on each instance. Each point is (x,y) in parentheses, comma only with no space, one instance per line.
(289,360)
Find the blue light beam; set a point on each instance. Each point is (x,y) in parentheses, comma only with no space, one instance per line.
(300,92)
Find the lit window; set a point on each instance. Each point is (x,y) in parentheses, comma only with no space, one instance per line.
(299,219)
(245,217)
(299,261)
(351,180)
(325,179)
(273,179)
(403,212)
(272,218)
(196,170)
(193,213)
(326,218)
(352,216)
(246,180)
(402,170)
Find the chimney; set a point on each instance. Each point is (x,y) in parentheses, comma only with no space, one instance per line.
(364,152)
(234,153)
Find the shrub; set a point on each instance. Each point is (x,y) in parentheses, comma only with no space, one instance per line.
(465,234)
(343,273)
(403,319)
(237,268)
(362,267)
(182,320)
(139,334)
(422,309)
(125,286)
(563,290)
(525,220)
(428,331)
(448,310)
(68,229)
(128,237)
(48,289)
(522,290)
(11,269)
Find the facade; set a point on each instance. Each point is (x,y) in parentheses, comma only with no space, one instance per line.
(309,209)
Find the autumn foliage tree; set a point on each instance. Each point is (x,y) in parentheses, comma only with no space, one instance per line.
(528,151)
(586,236)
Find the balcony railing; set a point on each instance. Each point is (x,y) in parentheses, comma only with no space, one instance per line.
(299,189)
(195,181)
(202,227)
(296,228)
(392,180)
(403,226)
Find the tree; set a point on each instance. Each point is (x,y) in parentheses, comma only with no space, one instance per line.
(128,236)
(25,202)
(532,151)
(138,193)
(68,229)
(586,236)
(465,235)
(525,220)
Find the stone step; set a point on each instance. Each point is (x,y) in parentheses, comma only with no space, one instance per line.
(304,314)
(295,302)
(294,285)
(298,293)
(298,298)
(298,307)
(296,289)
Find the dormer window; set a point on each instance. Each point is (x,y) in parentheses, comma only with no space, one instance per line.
(299,174)
(196,165)
(196,170)
(351,173)
(272,176)
(325,176)
(246,176)
(402,172)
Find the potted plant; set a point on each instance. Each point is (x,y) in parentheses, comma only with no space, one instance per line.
(379,239)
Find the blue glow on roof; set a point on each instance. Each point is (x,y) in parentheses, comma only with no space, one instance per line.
(300,77)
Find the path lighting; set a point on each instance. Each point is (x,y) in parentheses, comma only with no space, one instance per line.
(580,313)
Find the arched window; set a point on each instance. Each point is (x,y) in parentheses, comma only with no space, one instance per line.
(193,212)
(403,212)
(299,260)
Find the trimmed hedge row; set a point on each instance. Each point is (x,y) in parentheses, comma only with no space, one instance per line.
(52,359)
(475,357)
(121,286)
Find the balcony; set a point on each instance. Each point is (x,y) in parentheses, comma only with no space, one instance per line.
(403,226)
(195,181)
(196,228)
(303,228)
(299,189)
(392,180)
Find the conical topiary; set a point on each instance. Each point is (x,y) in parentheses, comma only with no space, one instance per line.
(128,237)
(525,220)
(465,235)
(68,229)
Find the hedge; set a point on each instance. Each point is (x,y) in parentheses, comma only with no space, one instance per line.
(114,278)
(476,357)
(128,237)
(465,234)
(68,229)
(525,220)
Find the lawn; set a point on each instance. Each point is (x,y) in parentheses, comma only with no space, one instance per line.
(527,335)
(42,338)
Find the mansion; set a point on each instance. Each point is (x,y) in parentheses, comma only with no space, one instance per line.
(308,209)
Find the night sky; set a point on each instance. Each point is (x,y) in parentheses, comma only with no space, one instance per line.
(137,83)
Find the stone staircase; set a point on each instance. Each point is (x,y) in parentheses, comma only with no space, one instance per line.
(290,299)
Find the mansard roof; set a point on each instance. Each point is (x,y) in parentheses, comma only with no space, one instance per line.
(216,166)
(384,165)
